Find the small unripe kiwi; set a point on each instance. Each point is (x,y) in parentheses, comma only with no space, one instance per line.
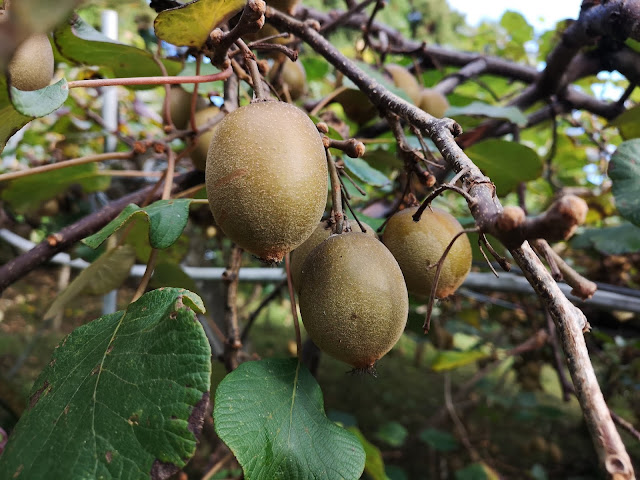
(319,235)
(201,148)
(294,77)
(353,299)
(417,245)
(402,78)
(266,178)
(180,106)
(433,102)
(31,67)
(356,105)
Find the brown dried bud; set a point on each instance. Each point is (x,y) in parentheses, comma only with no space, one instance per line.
(322,127)
(510,219)
(573,208)
(216,36)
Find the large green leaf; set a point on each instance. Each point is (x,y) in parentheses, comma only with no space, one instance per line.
(11,120)
(624,171)
(108,272)
(512,114)
(38,103)
(628,123)
(609,240)
(361,169)
(189,25)
(167,219)
(27,193)
(123,396)
(80,42)
(506,163)
(271,415)
(392,433)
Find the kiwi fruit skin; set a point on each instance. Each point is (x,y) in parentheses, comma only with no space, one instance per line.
(180,106)
(416,245)
(31,67)
(433,102)
(403,79)
(201,147)
(319,235)
(266,177)
(294,76)
(353,299)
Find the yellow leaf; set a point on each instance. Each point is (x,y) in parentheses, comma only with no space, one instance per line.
(189,25)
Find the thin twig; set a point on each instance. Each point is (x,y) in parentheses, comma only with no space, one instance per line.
(99,157)
(336,197)
(230,278)
(294,309)
(254,315)
(144,281)
(110,82)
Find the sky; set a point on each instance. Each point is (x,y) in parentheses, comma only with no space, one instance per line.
(541,14)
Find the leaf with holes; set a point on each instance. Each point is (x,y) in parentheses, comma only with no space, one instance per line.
(189,25)
(123,396)
(506,163)
(271,415)
(624,171)
(80,42)
(167,219)
(105,274)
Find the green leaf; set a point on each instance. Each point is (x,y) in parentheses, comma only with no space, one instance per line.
(477,471)
(365,172)
(512,114)
(189,25)
(628,123)
(27,193)
(11,120)
(172,275)
(392,433)
(451,359)
(439,440)
(506,163)
(624,171)
(80,42)
(373,465)
(519,30)
(38,103)
(271,415)
(123,396)
(167,219)
(108,272)
(49,14)
(617,240)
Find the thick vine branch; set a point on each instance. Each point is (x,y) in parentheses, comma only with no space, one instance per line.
(486,209)
(65,238)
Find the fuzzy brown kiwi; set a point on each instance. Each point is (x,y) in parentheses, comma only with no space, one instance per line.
(266,178)
(402,78)
(416,245)
(433,102)
(201,148)
(31,67)
(180,106)
(353,299)
(319,235)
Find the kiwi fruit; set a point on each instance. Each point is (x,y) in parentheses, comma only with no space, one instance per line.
(293,76)
(353,299)
(266,177)
(356,105)
(31,67)
(180,106)
(319,235)
(201,148)
(433,102)
(417,245)
(402,78)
